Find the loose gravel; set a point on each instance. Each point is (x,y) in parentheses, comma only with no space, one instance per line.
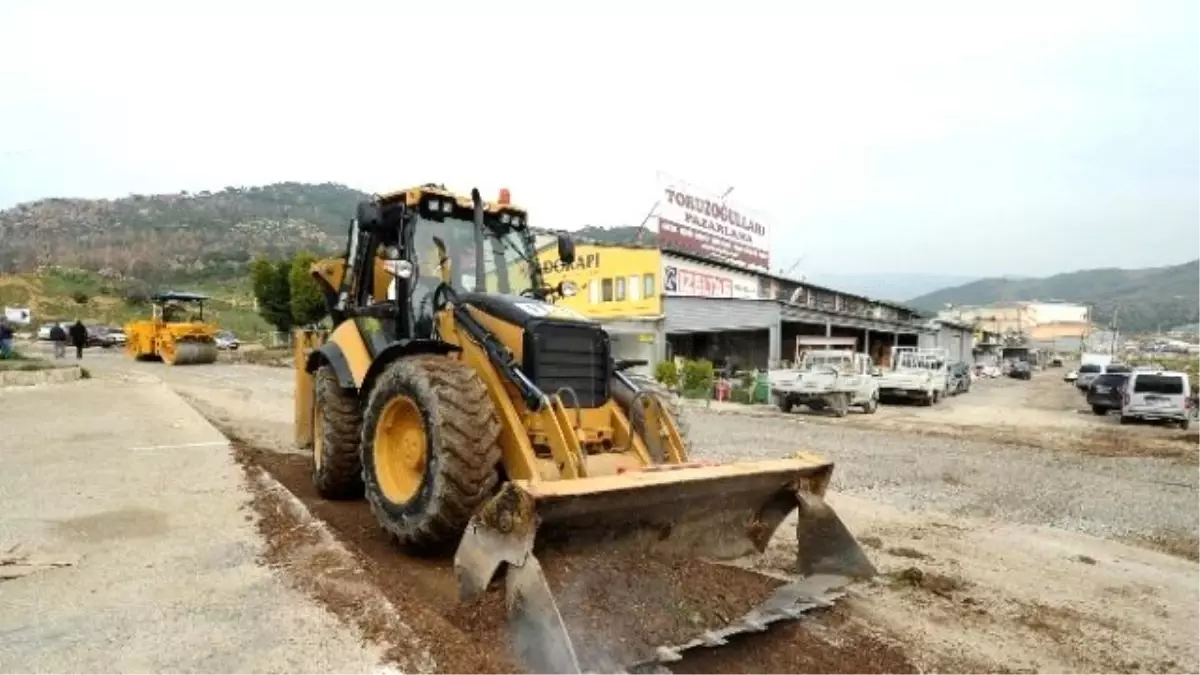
(1111,497)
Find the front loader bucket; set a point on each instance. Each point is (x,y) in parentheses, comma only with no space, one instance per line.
(629,578)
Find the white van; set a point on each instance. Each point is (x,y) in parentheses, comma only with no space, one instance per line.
(1161,395)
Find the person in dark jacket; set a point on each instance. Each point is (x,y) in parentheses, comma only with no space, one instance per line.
(58,335)
(79,336)
(6,338)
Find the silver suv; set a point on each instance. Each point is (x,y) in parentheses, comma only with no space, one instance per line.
(1160,395)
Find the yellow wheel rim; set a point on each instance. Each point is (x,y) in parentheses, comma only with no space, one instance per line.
(399,450)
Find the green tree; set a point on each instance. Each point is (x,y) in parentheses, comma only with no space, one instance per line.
(273,292)
(307,301)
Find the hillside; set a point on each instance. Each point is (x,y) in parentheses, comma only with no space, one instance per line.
(896,286)
(206,235)
(1148,298)
(67,294)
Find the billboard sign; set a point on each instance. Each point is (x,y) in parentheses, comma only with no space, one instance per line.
(703,224)
(20,315)
(682,278)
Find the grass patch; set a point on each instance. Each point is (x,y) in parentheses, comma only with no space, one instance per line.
(21,362)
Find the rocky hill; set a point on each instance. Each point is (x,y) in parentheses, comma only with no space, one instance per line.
(172,236)
(1145,299)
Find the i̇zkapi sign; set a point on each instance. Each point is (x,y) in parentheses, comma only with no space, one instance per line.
(689,220)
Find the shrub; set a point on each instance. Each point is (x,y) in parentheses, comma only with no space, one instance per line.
(80,297)
(698,375)
(667,373)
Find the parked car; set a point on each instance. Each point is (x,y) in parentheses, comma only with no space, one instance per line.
(1071,376)
(1160,396)
(1088,373)
(1056,362)
(44,330)
(1020,370)
(116,336)
(1107,392)
(97,336)
(227,340)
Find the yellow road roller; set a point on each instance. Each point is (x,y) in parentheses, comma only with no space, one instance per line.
(176,332)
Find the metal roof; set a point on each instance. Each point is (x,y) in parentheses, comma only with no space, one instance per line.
(184,296)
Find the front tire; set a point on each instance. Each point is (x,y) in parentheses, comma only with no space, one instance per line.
(871,405)
(1099,410)
(430,450)
(337,430)
(669,400)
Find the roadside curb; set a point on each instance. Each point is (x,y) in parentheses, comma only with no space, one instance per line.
(342,567)
(30,378)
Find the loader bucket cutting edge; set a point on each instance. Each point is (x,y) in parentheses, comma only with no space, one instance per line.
(716,513)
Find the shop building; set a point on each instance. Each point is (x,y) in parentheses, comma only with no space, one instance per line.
(659,303)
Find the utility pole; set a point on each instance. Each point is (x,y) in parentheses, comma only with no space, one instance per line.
(1112,348)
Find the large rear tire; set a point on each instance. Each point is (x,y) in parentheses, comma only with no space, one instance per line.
(430,450)
(337,430)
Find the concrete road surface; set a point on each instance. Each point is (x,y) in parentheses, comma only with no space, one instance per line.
(125,545)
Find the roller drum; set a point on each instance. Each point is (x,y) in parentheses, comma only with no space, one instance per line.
(193,353)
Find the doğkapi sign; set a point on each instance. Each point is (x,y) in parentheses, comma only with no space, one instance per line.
(690,220)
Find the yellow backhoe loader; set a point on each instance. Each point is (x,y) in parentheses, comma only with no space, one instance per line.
(174,333)
(476,416)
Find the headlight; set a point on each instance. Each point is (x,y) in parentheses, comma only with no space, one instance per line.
(505,218)
(447,206)
(435,205)
(568,288)
(402,269)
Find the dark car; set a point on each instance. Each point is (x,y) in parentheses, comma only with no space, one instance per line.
(97,336)
(1020,370)
(1104,394)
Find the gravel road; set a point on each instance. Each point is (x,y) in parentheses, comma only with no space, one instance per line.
(1103,496)
(994,555)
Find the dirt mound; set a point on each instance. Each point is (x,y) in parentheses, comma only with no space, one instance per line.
(617,609)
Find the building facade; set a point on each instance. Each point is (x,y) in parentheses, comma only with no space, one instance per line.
(658,304)
(1052,326)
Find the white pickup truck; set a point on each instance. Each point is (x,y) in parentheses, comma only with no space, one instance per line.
(829,379)
(916,375)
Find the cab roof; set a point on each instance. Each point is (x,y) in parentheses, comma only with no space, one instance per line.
(412,196)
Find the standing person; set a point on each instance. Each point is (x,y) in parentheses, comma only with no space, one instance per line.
(79,338)
(6,338)
(58,335)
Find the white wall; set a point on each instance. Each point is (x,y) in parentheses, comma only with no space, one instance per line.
(1048,312)
(683,277)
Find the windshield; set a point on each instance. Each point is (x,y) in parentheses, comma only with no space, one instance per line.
(506,257)
(1089,368)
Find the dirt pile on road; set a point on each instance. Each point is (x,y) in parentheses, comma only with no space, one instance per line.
(617,609)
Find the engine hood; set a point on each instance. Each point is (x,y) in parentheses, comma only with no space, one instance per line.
(521,311)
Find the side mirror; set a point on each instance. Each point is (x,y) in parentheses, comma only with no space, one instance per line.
(566,249)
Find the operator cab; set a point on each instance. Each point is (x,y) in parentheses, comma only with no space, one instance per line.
(488,249)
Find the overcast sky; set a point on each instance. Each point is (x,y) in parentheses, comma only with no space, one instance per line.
(950,137)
